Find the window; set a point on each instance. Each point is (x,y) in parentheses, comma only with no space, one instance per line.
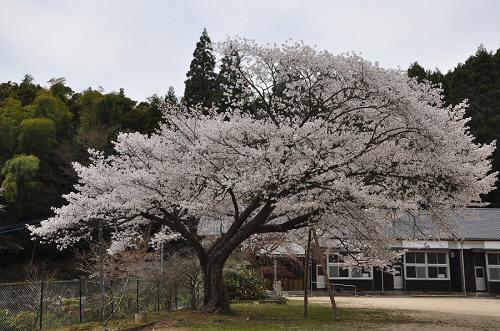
(337,268)
(335,258)
(494,267)
(338,271)
(413,257)
(361,272)
(426,265)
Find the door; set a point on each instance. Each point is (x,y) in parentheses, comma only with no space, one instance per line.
(320,280)
(398,277)
(480,281)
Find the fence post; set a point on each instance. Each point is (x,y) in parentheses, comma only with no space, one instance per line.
(158,296)
(41,304)
(112,296)
(175,298)
(137,297)
(80,298)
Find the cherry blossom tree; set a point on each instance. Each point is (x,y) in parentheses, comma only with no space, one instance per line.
(328,136)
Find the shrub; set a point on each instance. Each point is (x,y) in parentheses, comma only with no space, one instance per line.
(243,283)
(4,318)
(69,306)
(24,320)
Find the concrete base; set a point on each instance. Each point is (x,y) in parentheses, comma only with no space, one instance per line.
(140,317)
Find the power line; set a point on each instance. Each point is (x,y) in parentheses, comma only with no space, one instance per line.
(17,226)
(6,227)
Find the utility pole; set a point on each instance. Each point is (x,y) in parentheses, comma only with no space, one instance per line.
(161,260)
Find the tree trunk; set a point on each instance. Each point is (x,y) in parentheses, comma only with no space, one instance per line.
(193,296)
(101,272)
(215,299)
(323,258)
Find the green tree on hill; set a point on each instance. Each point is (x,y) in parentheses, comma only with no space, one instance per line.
(37,136)
(27,90)
(231,89)
(201,85)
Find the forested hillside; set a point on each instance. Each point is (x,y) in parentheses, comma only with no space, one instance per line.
(43,128)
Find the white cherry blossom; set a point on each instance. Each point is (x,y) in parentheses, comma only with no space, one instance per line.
(333,141)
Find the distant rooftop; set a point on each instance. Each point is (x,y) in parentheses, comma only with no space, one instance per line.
(468,224)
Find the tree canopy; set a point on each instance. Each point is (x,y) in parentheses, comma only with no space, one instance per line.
(44,128)
(332,136)
(477,80)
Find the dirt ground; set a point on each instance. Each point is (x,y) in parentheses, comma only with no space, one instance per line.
(453,305)
(421,313)
(432,313)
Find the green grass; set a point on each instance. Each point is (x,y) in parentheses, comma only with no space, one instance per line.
(118,324)
(268,317)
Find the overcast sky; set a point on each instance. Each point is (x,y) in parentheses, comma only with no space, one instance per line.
(145,46)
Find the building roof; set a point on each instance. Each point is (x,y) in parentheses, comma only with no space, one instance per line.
(288,249)
(468,224)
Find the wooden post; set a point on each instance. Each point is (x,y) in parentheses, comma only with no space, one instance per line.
(160,280)
(175,297)
(80,298)
(275,277)
(158,295)
(161,261)
(324,260)
(307,271)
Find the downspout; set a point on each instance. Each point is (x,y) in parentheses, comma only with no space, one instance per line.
(462,266)
(486,277)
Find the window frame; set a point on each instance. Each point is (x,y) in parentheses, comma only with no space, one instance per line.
(426,265)
(492,266)
(349,268)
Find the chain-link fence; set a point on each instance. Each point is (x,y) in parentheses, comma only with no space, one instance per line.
(49,304)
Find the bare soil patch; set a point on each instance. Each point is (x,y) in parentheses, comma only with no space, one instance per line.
(436,313)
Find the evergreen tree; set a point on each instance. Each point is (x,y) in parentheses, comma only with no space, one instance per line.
(170,97)
(201,86)
(417,71)
(155,114)
(435,77)
(478,81)
(231,88)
